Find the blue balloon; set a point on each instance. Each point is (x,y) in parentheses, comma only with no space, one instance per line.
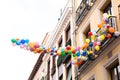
(22,41)
(78,54)
(17,43)
(27,40)
(84,53)
(90,44)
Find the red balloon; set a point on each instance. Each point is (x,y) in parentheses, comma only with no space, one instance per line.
(73,51)
(90,34)
(68,47)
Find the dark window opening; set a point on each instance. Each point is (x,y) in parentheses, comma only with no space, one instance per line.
(115,72)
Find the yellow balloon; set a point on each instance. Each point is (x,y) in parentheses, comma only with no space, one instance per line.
(102,37)
(97,48)
(87,40)
(93,37)
(72,48)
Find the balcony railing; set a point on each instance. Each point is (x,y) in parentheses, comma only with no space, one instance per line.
(83,9)
(66,56)
(105,43)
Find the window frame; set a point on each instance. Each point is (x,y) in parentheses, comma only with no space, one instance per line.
(113,59)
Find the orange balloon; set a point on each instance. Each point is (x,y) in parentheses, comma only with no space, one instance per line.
(65,50)
(111,30)
(86,45)
(100,25)
(103,22)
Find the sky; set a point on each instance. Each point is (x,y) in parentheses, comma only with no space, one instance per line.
(24,19)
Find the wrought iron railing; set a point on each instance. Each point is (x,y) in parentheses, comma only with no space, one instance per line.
(83,9)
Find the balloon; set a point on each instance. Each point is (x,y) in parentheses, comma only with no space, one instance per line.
(98,43)
(38,50)
(62,49)
(93,37)
(83,58)
(58,52)
(65,50)
(108,36)
(18,43)
(90,44)
(89,52)
(111,30)
(105,15)
(106,20)
(27,40)
(84,53)
(74,55)
(100,25)
(86,45)
(102,37)
(87,40)
(72,48)
(108,26)
(68,47)
(78,54)
(13,40)
(90,34)
(73,51)
(22,41)
(97,48)
(103,22)
(36,45)
(21,46)
(69,52)
(63,53)
(78,48)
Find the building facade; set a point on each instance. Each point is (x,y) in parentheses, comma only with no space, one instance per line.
(106,65)
(80,17)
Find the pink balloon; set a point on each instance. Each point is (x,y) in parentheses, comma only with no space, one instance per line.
(21,46)
(36,45)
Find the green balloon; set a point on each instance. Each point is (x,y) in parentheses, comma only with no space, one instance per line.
(13,40)
(63,53)
(69,52)
(74,55)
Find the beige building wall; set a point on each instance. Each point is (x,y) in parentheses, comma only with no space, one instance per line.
(93,18)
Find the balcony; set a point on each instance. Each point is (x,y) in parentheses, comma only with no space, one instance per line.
(83,9)
(104,45)
(66,56)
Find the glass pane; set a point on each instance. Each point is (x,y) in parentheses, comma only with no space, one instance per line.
(114,74)
(118,71)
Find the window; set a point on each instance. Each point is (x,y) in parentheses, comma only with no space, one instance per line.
(108,9)
(86,32)
(60,43)
(48,71)
(68,33)
(69,73)
(61,77)
(115,72)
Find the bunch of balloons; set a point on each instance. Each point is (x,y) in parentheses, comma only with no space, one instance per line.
(81,53)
